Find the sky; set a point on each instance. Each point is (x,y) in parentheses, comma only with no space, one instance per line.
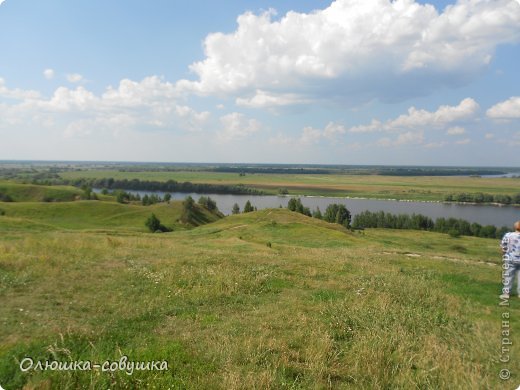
(378,82)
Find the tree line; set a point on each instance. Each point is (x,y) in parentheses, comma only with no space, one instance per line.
(480,197)
(165,186)
(338,213)
(334,213)
(452,226)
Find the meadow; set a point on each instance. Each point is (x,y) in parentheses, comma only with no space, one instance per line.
(425,188)
(268,299)
(18,192)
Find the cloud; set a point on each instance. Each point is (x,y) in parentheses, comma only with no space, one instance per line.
(48,74)
(410,137)
(310,136)
(237,126)
(74,77)
(489,136)
(17,94)
(353,51)
(149,104)
(509,109)
(416,118)
(2,1)
(456,130)
(464,141)
(263,99)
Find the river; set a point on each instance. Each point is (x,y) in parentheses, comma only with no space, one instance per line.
(482,214)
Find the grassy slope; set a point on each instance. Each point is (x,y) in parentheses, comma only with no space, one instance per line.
(371,186)
(35,193)
(92,215)
(321,307)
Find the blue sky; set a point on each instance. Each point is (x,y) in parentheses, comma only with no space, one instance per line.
(345,82)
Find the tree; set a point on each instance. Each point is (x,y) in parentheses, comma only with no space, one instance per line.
(236,209)
(152,223)
(317,213)
(188,203)
(295,204)
(248,207)
(87,192)
(338,213)
(122,197)
(188,209)
(167,197)
(146,200)
(292,204)
(155,226)
(208,203)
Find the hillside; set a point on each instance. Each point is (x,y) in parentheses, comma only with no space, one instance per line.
(18,192)
(81,215)
(269,299)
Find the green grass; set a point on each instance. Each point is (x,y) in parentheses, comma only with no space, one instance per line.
(93,215)
(321,308)
(367,186)
(36,193)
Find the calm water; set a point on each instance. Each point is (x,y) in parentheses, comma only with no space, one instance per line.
(485,215)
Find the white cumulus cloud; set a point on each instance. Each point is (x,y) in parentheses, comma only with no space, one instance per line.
(354,51)
(310,135)
(419,118)
(509,109)
(237,126)
(142,105)
(16,93)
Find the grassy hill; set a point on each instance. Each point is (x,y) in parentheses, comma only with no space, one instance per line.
(36,193)
(94,215)
(270,299)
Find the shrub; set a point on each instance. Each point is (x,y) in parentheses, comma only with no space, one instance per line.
(454,233)
(154,225)
(5,198)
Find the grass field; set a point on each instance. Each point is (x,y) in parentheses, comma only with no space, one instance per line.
(270,299)
(81,215)
(36,193)
(369,186)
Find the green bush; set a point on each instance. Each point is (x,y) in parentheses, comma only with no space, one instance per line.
(454,233)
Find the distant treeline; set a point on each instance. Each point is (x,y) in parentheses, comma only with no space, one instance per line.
(452,226)
(324,170)
(480,197)
(436,172)
(293,171)
(165,186)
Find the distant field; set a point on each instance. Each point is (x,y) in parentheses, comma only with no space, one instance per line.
(369,186)
(270,299)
